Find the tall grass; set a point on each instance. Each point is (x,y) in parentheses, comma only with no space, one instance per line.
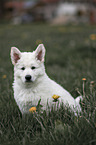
(70,56)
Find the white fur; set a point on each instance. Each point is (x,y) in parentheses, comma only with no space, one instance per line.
(27,94)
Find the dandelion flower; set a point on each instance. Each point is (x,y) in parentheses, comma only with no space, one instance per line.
(93,36)
(55,97)
(83,79)
(32,109)
(92,83)
(4,76)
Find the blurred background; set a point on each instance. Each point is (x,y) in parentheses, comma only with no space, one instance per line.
(49,11)
(67,28)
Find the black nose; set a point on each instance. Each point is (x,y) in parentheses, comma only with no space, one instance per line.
(28,77)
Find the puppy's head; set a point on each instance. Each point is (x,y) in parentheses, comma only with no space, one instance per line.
(28,66)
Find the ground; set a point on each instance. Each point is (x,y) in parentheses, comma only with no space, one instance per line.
(70,56)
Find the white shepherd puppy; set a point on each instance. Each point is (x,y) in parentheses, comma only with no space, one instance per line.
(31,82)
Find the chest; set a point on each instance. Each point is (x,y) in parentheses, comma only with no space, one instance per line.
(30,96)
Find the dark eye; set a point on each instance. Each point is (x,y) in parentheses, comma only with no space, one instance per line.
(33,67)
(23,68)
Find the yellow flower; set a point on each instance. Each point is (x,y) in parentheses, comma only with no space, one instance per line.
(92,83)
(4,76)
(83,79)
(32,109)
(93,36)
(55,96)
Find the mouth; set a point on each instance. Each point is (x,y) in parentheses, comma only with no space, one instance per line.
(28,81)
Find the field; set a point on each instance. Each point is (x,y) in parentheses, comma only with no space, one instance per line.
(70,56)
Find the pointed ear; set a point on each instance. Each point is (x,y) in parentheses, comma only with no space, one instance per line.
(15,55)
(40,52)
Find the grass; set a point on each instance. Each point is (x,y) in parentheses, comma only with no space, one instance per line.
(71,55)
